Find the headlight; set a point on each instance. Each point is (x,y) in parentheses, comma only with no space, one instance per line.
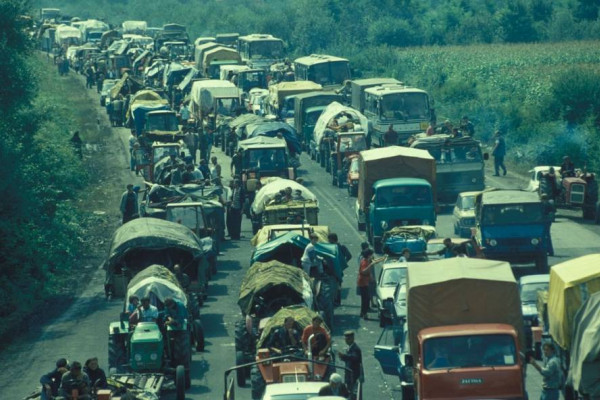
(425,222)
(474,180)
(384,224)
(138,357)
(535,241)
(527,322)
(153,356)
(355,182)
(493,242)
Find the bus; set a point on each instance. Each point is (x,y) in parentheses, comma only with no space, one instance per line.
(260,50)
(322,69)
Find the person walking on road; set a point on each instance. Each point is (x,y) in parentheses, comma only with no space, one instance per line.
(129,204)
(215,169)
(352,359)
(364,278)
(499,152)
(235,211)
(236,163)
(346,256)
(552,376)
(310,261)
(390,137)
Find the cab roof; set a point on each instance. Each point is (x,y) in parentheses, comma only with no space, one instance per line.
(509,197)
(319,59)
(404,181)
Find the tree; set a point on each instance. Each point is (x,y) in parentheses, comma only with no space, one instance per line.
(516,23)
(587,10)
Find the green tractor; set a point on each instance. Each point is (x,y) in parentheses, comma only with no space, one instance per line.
(153,353)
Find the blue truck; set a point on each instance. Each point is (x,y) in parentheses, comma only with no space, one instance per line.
(396,188)
(514,226)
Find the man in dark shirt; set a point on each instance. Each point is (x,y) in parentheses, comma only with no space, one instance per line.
(390,137)
(466,126)
(285,337)
(450,250)
(236,163)
(51,381)
(567,168)
(129,204)
(352,359)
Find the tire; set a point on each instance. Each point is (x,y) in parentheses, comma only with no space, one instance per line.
(408,393)
(117,354)
(538,351)
(180,382)
(199,335)
(257,382)
(377,245)
(328,165)
(321,160)
(240,372)
(383,321)
(340,181)
(354,192)
(362,227)
(541,263)
(333,180)
(193,305)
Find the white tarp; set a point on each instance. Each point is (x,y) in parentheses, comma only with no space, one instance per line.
(332,111)
(134,26)
(159,288)
(270,190)
(64,32)
(203,93)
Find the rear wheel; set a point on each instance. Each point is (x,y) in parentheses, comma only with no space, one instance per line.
(199,335)
(180,382)
(182,350)
(408,393)
(240,372)
(340,180)
(541,263)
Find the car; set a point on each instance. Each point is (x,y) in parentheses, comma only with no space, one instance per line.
(391,292)
(464,214)
(529,286)
(535,175)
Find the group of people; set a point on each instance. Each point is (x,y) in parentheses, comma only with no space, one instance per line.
(288,338)
(65,378)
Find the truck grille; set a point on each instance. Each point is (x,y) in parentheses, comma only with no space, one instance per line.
(514,242)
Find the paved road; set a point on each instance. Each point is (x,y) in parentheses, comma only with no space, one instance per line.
(82,331)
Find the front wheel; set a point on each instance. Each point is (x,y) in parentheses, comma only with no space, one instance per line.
(541,263)
(180,382)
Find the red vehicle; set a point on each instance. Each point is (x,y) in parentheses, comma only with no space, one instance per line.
(352,175)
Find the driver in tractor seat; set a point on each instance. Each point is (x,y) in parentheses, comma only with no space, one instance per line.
(285,338)
(321,341)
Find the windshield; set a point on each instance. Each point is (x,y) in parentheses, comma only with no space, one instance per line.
(529,291)
(399,196)
(312,117)
(405,106)
(469,351)
(166,122)
(265,159)
(107,85)
(190,217)
(353,143)
(167,151)
(227,107)
(251,80)
(512,214)
(270,49)
(467,203)
(329,73)
(392,276)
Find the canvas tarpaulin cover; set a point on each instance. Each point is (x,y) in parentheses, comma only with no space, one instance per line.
(302,315)
(584,372)
(460,290)
(271,128)
(263,277)
(264,234)
(270,190)
(157,283)
(151,233)
(570,283)
(423,231)
(333,110)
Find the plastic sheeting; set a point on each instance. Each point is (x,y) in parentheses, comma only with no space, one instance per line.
(331,112)
(302,315)
(570,284)
(151,233)
(270,190)
(203,93)
(270,129)
(156,282)
(264,234)
(584,372)
(262,277)
(462,291)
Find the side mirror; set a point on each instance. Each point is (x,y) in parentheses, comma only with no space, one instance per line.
(408,360)
(486,156)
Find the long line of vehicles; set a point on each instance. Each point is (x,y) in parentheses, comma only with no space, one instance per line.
(246,97)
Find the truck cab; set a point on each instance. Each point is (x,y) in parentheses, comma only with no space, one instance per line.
(398,202)
(513,226)
(346,145)
(264,157)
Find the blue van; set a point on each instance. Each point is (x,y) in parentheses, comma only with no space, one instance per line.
(513,226)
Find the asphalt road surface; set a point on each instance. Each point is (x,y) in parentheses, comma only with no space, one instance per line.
(82,331)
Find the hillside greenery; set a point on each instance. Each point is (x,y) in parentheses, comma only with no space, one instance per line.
(529,68)
(40,175)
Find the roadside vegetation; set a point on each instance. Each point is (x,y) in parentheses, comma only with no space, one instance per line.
(530,68)
(42,180)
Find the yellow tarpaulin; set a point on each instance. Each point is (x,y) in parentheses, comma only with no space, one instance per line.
(264,234)
(571,283)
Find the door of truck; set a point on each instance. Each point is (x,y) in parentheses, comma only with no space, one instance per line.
(387,351)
